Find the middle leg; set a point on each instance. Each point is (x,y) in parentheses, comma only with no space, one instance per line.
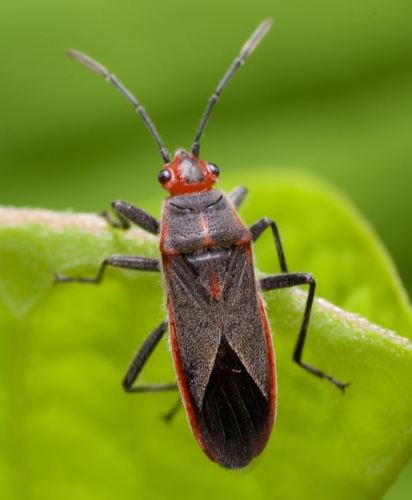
(125,261)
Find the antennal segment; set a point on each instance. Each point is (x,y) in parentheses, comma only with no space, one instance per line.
(245,52)
(113,80)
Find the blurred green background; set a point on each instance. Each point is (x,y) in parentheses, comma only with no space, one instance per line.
(328,92)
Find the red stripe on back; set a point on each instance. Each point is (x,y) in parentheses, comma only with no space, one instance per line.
(270,353)
(271,364)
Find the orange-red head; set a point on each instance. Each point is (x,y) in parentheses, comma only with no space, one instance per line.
(188,174)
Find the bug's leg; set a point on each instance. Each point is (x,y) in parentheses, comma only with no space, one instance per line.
(257,229)
(128,213)
(293,279)
(238,195)
(139,361)
(125,261)
(120,223)
(168,417)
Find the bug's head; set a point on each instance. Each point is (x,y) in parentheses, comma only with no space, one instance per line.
(186,173)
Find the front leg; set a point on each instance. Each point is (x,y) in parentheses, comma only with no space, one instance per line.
(293,279)
(125,261)
(237,196)
(129,213)
(257,229)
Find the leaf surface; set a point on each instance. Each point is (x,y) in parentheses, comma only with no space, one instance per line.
(67,428)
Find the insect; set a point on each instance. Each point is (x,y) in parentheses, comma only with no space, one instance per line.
(219,332)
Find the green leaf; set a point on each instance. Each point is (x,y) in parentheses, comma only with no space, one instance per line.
(68,430)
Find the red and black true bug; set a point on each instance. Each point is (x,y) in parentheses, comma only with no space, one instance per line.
(219,332)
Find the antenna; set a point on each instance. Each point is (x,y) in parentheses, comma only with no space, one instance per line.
(113,80)
(245,52)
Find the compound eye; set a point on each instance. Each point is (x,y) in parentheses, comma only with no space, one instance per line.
(213,169)
(164,176)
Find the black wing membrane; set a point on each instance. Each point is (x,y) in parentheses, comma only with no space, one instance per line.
(234,413)
(223,351)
